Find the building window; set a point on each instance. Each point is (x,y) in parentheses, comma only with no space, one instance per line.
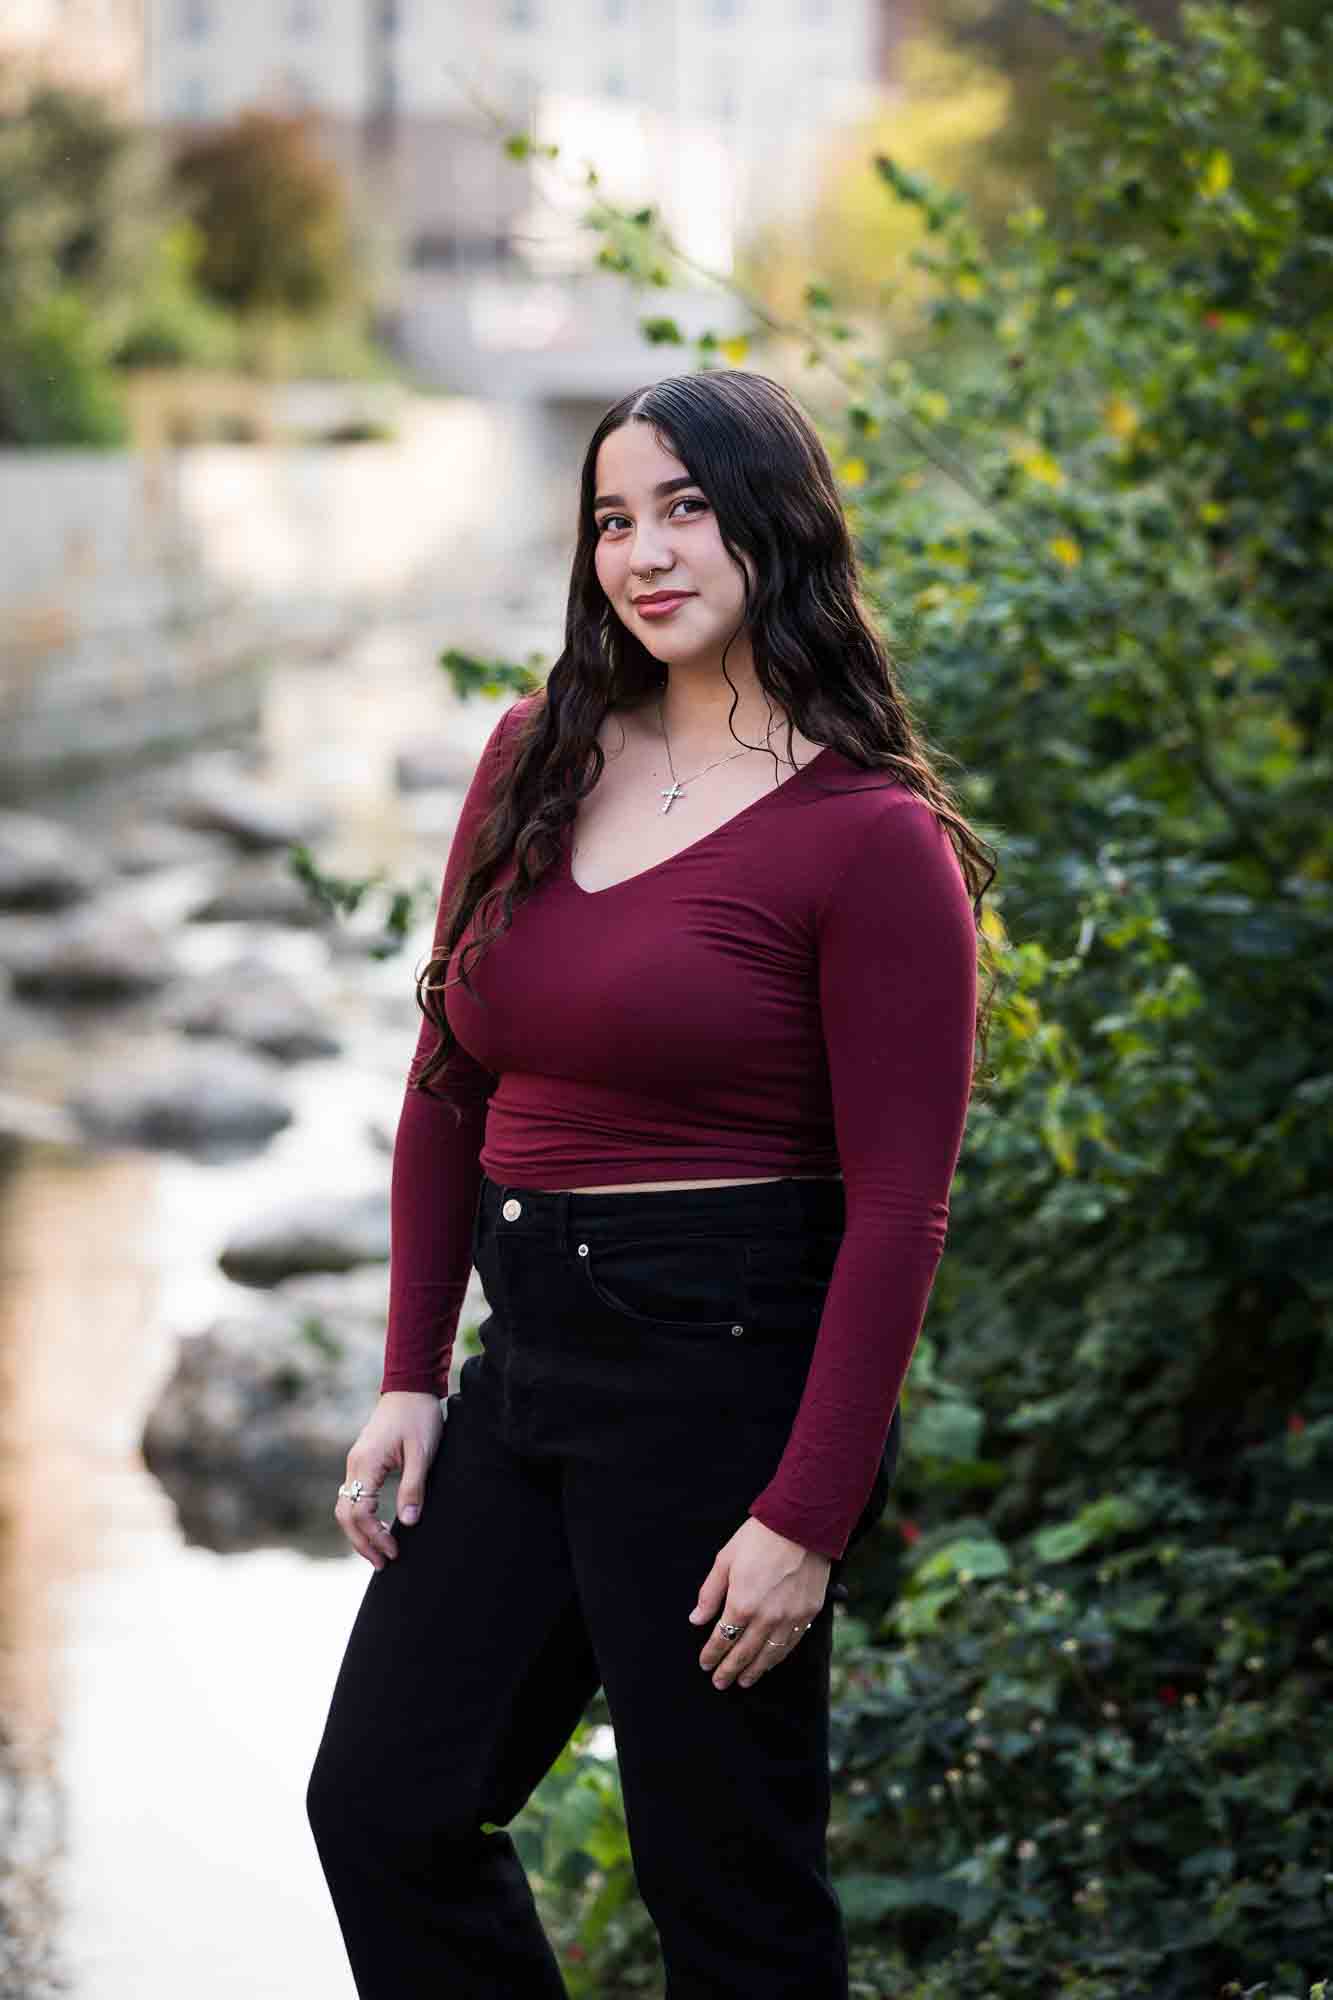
(195,20)
(298,88)
(192,98)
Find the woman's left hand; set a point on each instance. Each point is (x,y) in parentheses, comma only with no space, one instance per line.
(770,1586)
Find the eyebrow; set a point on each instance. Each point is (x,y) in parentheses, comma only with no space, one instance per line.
(659,492)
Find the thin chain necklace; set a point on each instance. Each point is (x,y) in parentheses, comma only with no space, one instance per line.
(675,789)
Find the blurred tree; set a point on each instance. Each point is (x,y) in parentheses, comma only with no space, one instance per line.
(947,122)
(83,201)
(272,215)
(1013,42)
(974,106)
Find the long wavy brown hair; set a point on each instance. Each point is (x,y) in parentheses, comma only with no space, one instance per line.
(760,464)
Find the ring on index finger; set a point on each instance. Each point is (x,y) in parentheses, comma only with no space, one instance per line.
(356,1489)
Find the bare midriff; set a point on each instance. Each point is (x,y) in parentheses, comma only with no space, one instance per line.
(658,1187)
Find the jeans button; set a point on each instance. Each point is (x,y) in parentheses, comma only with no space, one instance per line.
(511,1209)
(738,1329)
(583,1249)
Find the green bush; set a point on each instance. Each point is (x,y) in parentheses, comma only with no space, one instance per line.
(56,385)
(172,324)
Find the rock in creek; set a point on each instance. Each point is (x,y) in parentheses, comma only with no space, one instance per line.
(425,767)
(318,1235)
(153,844)
(248,1002)
(96,952)
(250,1432)
(263,891)
(198,1100)
(43,866)
(216,798)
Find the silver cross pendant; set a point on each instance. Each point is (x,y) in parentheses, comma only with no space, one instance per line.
(672,791)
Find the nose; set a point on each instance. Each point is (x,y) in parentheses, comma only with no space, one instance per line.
(647,554)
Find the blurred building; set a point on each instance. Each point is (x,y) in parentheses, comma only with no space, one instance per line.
(95,45)
(717,109)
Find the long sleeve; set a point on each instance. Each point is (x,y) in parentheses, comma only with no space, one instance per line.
(897,986)
(436,1172)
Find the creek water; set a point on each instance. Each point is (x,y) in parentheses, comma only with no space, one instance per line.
(166,1700)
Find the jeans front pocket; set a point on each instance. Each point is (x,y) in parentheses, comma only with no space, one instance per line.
(787,1280)
(692,1283)
(786,1284)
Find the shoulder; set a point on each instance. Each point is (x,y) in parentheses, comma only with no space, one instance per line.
(892,844)
(508,733)
(876,809)
(512,725)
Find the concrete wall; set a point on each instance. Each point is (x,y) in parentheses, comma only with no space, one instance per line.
(140,593)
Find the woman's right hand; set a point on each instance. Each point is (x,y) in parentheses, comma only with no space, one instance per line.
(402,1434)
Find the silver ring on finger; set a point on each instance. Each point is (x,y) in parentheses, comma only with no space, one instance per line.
(730,1631)
(356,1489)
(797,1630)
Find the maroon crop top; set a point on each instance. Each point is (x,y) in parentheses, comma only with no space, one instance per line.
(793,993)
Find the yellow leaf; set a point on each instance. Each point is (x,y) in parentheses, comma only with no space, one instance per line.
(1038,464)
(934,407)
(853,471)
(736,348)
(1211,511)
(1121,417)
(1064,297)
(1216,176)
(967,285)
(1066,550)
(1022,1017)
(934,593)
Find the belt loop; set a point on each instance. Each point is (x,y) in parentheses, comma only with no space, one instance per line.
(562,1218)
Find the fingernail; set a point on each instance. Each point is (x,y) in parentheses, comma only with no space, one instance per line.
(695,1616)
(409,1515)
(720,1682)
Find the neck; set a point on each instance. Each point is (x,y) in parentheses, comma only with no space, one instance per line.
(695,706)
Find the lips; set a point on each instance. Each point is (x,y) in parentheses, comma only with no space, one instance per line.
(661,598)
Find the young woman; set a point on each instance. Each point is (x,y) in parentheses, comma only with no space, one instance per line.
(701,1019)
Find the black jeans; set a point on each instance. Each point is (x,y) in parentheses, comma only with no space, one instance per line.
(640,1370)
